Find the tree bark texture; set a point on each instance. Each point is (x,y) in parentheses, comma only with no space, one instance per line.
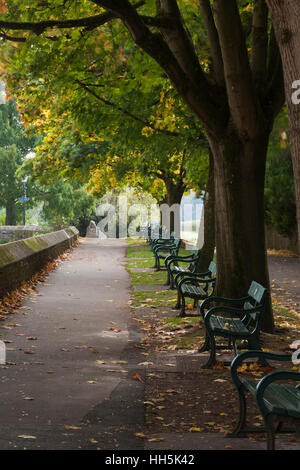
(239,211)
(11,217)
(286,20)
(208,248)
(173,197)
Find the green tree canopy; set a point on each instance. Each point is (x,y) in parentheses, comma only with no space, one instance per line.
(222,59)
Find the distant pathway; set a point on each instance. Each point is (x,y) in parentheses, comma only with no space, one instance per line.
(285,280)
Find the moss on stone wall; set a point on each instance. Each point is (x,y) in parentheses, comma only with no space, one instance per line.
(21,259)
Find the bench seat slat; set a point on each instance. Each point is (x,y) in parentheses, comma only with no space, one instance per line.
(283,399)
(193,290)
(178,269)
(237,327)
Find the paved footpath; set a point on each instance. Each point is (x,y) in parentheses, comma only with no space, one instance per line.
(70,387)
(285,280)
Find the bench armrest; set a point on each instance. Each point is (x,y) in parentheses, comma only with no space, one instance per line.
(197,275)
(269,379)
(238,312)
(164,247)
(238,360)
(224,300)
(174,259)
(187,278)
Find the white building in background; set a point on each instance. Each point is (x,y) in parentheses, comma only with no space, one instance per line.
(2,92)
(191,215)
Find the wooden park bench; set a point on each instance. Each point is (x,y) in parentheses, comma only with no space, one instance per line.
(239,322)
(197,286)
(276,395)
(174,266)
(162,250)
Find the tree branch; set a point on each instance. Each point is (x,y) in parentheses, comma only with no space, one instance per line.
(125,112)
(39,27)
(213,38)
(275,95)
(179,41)
(243,102)
(259,48)
(198,94)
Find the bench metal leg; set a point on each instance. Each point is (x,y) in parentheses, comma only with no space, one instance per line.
(182,310)
(212,356)
(205,346)
(178,303)
(240,429)
(168,281)
(270,430)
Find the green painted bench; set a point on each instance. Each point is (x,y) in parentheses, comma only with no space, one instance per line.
(196,286)
(277,396)
(174,266)
(162,251)
(154,242)
(156,233)
(239,322)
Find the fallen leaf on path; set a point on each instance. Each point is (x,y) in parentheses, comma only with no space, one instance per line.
(24,436)
(138,377)
(67,426)
(29,352)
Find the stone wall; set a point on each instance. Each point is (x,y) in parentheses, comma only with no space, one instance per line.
(21,259)
(11,233)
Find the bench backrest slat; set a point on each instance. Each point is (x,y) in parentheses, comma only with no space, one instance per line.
(257,292)
(258,297)
(212,268)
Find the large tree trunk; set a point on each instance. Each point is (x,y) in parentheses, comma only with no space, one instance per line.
(173,198)
(10,218)
(286,20)
(208,248)
(239,207)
